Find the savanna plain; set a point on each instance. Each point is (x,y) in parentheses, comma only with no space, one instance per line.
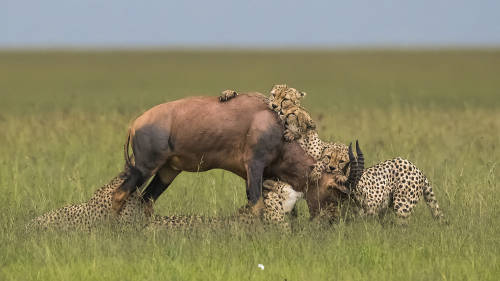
(64,117)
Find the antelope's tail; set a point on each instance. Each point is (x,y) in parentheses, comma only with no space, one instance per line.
(128,161)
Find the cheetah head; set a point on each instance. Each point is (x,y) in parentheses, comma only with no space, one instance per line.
(283,96)
(336,158)
(337,180)
(287,196)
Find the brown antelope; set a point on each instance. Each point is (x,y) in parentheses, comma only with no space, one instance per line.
(196,134)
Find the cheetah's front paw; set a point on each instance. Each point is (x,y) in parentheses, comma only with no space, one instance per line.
(227,95)
(288,135)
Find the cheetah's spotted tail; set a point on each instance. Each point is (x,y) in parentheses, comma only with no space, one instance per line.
(430,200)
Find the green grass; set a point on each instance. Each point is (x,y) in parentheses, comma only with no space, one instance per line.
(63,122)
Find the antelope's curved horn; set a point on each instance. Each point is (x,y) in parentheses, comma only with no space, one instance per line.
(351,154)
(361,158)
(357,167)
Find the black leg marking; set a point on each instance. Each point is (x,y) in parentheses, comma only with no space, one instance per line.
(154,189)
(162,180)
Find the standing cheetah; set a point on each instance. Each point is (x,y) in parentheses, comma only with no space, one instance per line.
(396,183)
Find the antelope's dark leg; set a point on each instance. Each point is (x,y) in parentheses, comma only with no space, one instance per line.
(164,177)
(162,180)
(255,171)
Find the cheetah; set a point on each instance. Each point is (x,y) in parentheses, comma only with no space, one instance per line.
(396,183)
(279,199)
(96,211)
(286,101)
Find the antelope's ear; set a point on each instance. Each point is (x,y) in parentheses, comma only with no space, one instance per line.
(268,184)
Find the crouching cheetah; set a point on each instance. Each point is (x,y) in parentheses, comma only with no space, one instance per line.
(279,199)
(396,183)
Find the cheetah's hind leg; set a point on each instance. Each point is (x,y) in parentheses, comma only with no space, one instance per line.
(227,95)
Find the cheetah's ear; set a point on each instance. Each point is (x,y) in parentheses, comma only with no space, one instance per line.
(268,184)
(302,94)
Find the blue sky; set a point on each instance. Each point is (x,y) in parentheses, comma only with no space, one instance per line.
(127,23)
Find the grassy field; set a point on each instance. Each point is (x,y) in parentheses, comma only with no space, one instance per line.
(63,122)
